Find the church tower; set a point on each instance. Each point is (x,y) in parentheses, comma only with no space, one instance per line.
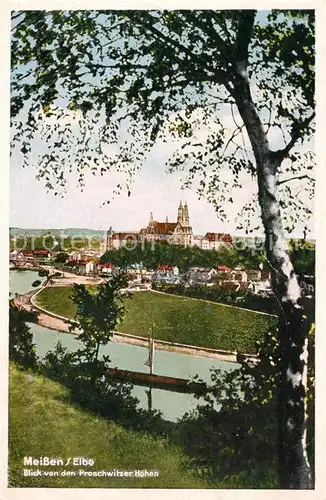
(151,221)
(108,239)
(185,215)
(180,214)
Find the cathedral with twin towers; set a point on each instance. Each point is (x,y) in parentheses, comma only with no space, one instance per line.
(177,233)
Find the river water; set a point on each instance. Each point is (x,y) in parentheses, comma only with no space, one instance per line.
(125,356)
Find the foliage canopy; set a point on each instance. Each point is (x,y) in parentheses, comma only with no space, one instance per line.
(100,88)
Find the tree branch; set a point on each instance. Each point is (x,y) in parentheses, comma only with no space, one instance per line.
(223,47)
(298,177)
(221,23)
(17,26)
(241,47)
(236,132)
(22,76)
(233,117)
(242,92)
(297,128)
(209,73)
(210,32)
(16,14)
(270,110)
(98,67)
(220,100)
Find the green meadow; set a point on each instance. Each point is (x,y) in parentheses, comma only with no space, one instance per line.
(177,319)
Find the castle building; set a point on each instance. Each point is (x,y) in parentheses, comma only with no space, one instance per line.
(176,233)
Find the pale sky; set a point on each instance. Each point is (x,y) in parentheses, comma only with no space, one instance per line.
(154,190)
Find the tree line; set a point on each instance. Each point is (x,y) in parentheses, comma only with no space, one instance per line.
(185,257)
(222,295)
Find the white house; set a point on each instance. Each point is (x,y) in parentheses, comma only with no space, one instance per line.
(167,270)
(239,275)
(105,268)
(74,256)
(85,267)
(214,241)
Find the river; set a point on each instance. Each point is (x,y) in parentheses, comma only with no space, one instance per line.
(125,356)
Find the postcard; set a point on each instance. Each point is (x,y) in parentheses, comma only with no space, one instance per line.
(162,251)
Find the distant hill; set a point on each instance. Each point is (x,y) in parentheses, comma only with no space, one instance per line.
(240,241)
(251,240)
(71,231)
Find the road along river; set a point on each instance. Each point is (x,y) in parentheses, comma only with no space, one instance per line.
(130,357)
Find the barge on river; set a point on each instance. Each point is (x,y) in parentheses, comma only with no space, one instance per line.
(159,381)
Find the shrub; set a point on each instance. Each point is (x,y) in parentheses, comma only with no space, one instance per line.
(21,346)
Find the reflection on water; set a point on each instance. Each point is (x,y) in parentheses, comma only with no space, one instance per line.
(172,405)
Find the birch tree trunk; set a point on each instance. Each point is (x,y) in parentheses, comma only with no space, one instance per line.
(293,331)
(293,337)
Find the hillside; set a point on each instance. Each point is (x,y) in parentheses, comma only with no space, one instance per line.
(44,423)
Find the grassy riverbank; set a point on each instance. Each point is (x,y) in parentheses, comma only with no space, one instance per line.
(42,422)
(177,319)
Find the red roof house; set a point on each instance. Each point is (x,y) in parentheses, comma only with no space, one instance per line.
(105,267)
(224,269)
(25,254)
(42,253)
(226,238)
(168,269)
